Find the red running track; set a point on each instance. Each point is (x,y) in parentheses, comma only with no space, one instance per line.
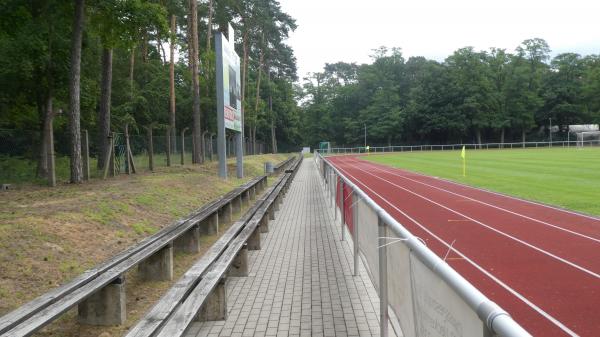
(539,263)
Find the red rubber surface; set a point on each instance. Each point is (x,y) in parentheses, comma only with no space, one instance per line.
(550,257)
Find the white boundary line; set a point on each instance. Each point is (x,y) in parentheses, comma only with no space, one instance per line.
(478,267)
(560,209)
(378,167)
(565,261)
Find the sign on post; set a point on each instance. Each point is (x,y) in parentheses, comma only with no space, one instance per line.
(229,105)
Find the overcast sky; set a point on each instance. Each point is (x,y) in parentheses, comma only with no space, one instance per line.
(347,30)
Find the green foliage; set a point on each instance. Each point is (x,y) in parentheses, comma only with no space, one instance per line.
(473,96)
(35,42)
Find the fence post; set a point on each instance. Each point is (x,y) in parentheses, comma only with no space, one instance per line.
(383,284)
(183,146)
(342,209)
(355,230)
(86,156)
(335,197)
(150,149)
(168,147)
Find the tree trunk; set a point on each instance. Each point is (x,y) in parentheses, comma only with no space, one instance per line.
(105,99)
(197,127)
(42,166)
(131,68)
(273,137)
(243,89)
(209,27)
(172,81)
(74,93)
(145,47)
(255,121)
(48,141)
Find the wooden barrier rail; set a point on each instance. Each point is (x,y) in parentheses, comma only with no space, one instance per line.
(100,292)
(279,166)
(200,292)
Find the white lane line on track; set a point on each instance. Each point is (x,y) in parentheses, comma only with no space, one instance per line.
(485,203)
(537,309)
(587,216)
(558,258)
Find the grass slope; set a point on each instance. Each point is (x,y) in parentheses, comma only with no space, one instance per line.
(565,177)
(50,235)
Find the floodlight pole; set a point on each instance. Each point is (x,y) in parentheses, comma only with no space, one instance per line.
(365,125)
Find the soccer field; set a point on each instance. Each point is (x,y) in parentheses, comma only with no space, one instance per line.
(568,178)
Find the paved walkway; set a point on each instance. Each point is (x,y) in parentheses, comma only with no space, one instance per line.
(300,282)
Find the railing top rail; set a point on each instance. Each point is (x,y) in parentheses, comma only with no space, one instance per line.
(494,317)
(459,145)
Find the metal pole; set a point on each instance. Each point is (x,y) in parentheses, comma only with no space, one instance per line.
(355,231)
(335,197)
(342,210)
(550,131)
(239,153)
(365,124)
(220,108)
(383,284)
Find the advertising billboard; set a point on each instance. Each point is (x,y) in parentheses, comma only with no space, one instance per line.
(231,86)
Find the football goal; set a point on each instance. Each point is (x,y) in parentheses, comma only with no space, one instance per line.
(588,138)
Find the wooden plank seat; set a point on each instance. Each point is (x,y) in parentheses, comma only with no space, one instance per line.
(182,303)
(41,311)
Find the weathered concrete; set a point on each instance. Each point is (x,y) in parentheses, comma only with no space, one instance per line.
(226,213)
(300,283)
(254,240)
(215,307)
(189,242)
(158,267)
(239,266)
(246,199)
(106,306)
(236,204)
(271,212)
(264,224)
(210,225)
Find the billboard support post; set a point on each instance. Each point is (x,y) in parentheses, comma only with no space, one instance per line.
(229,106)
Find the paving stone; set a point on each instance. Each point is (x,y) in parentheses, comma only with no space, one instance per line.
(300,283)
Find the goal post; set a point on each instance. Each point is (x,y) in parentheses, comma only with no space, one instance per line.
(589,138)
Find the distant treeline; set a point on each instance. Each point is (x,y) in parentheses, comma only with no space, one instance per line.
(473,96)
(146,64)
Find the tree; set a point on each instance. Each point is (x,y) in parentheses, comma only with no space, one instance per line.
(74,93)
(194,69)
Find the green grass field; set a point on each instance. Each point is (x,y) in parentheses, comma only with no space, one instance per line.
(568,178)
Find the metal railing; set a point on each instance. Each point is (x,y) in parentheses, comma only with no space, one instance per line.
(425,294)
(469,146)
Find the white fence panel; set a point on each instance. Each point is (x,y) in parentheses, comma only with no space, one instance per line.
(439,312)
(399,283)
(368,239)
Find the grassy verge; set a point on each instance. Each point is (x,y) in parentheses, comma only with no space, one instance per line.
(50,235)
(565,177)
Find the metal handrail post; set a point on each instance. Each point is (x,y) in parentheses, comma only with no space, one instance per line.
(342,208)
(383,282)
(355,231)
